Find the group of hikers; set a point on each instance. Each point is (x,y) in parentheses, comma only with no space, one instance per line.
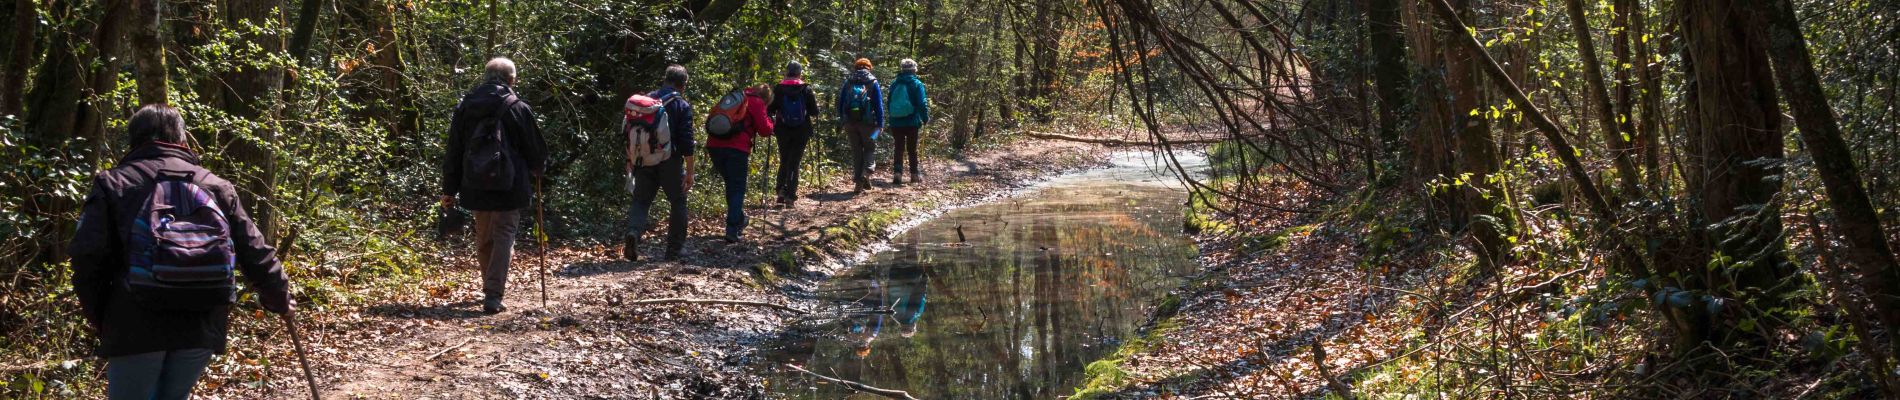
(161,240)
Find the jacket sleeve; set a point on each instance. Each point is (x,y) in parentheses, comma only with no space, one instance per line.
(923,103)
(772,106)
(452,154)
(756,112)
(811,101)
(682,126)
(877,104)
(532,146)
(95,246)
(255,256)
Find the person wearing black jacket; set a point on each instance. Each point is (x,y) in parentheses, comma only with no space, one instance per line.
(793,105)
(497,212)
(673,176)
(153,352)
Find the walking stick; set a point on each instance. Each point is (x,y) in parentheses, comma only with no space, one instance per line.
(296,338)
(541,232)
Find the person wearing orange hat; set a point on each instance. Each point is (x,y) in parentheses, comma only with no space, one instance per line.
(861,106)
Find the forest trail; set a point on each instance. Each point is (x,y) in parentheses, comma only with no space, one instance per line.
(433,343)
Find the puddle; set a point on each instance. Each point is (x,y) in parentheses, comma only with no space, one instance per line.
(1037,286)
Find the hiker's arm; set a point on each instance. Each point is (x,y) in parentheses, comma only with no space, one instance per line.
(255,256)
(763,123)
(95,245)
(811,103)
(923,103)
(536,151)
(877,105)
(452,155)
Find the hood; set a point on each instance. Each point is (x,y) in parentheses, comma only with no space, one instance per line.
(485,99)
(862,76)
(755,92)
(791,82)
(157,150)
(906,77)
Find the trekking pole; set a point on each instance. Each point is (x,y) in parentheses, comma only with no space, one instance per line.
(541,233)
(296,338)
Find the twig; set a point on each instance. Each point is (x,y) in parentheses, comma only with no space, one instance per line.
(1114,142)
(678,300)
(1332,382)
(465,342)
(896,394)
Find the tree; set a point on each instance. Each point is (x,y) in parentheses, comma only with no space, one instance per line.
(250,93)
(148,52)
(1855,218)
(1390,74)
(1732,129)
(1600,98)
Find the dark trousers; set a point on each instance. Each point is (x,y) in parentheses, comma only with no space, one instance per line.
(905,141)
(494,248)
(649,182)
(861,147)
(734,167)
(164,375)
(791,155)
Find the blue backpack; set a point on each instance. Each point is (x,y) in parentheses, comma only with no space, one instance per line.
(858,104)
(181,255)
(791,109)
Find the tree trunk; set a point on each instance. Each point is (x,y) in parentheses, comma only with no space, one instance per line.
(19,57)
(250,94)
(1732,125)
(51,118)
(148,52)
(1477,150)
(1649,75)
(1855,217)
(107,40)
(1390,75)
(1600,99)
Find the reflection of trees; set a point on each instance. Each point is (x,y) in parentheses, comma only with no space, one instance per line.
(1042,288)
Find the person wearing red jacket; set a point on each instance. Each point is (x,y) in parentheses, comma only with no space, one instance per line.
(732,158)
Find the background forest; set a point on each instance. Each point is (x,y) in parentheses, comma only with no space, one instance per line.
(1673,197)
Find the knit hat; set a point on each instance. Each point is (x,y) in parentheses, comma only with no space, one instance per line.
(908,65)
(863,63)
(794,69)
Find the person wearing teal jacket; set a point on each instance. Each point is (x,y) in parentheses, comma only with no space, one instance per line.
(908,109)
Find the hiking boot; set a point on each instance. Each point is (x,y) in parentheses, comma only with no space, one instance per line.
(916,178)
(493,306)
(672,255)
(897,180)
(631,250)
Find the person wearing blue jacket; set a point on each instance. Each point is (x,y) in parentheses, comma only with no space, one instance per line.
(861,107)
(908,110)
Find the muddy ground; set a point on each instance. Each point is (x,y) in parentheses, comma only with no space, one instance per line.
(430,342)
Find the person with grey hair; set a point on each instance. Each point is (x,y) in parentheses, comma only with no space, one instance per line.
(908,110)
(495,153)
(155,258)
(672,176)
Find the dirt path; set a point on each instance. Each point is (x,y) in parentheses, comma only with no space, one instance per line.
(588,344)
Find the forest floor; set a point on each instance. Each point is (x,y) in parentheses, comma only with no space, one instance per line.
(430,341)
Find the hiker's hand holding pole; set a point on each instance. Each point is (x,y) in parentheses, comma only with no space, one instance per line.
(276,300)
(448,201)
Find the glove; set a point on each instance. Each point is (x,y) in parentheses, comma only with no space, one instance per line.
(629,177)
(276,300)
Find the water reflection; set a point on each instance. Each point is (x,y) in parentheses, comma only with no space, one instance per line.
(1044,284)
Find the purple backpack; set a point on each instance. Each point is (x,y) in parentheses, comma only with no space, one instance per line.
(181,253)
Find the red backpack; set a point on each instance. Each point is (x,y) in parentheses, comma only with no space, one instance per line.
(728,115)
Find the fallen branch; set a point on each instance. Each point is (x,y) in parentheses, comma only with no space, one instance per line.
(895,394)
(1115,142)
(676,300)
(444,351)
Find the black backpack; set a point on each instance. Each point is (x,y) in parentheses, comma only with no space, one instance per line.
(181,256)
(487,159)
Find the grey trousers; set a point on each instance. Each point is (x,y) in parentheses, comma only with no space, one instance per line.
(162,375)
(494,247)
(859,135)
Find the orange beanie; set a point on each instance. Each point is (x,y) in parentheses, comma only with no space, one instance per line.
(864,63)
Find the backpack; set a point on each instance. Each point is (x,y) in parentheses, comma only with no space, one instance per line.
(727,115)
(649,134)
(791,109)
(181,256)
(487,159)
(857,102)
(900,101)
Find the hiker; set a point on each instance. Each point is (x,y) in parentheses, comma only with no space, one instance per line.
(909,290)
(909,110)
(861,107)
(660,158)
(495,149)
(792,106)
(155,257)
(736,119)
